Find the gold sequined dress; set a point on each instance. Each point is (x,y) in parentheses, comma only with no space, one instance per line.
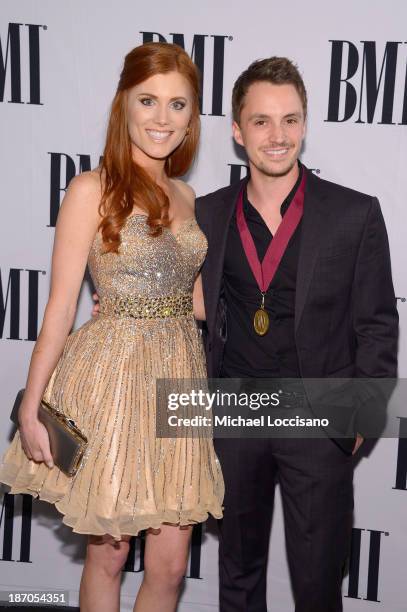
(106,381)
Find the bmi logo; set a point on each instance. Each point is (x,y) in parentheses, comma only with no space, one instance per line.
(372,540)
(135,559)
(401,467)
(19,285)
(202,44)
(63,168)
(16,524)
(239,171)
(20,60)
(368,82)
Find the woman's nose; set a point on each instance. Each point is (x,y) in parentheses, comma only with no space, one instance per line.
(161,116)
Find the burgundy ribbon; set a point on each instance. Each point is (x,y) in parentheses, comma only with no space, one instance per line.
(264,272)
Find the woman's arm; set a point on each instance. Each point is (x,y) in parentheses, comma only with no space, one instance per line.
(198,300)
(76,227)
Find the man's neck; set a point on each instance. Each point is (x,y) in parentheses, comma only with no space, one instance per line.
(263,190)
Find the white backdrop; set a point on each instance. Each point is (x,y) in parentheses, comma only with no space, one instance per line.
(58,72)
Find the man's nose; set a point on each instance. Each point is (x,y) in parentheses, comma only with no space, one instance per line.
(276,132)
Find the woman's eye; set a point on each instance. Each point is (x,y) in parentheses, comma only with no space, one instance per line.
(178,105)
(146,101)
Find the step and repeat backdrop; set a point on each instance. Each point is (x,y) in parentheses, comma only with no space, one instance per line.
(59,67)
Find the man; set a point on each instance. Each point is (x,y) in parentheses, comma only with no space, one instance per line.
(328,310)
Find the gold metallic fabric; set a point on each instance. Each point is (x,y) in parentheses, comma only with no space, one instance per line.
(105,381)
(147,308)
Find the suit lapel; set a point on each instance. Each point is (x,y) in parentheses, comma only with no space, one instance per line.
(314,225)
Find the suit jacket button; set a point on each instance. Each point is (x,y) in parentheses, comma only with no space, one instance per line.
(210,346)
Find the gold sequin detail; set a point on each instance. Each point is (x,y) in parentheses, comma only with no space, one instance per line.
(106,381)
(145,307)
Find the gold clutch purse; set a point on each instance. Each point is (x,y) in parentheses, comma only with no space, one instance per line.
(67,442)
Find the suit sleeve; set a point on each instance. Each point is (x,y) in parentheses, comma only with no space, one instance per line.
(375,317)
(375,324)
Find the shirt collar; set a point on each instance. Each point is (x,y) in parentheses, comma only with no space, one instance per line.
(248,207)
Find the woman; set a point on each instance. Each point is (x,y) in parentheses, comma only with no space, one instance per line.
(134,224)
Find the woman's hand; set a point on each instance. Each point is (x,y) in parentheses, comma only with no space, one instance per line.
(34,439)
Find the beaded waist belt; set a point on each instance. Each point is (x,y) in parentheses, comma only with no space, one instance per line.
(147,308)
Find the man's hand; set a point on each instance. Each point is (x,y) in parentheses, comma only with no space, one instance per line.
(359,441)
(96,307)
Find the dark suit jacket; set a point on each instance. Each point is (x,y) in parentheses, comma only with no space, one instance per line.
(346,321)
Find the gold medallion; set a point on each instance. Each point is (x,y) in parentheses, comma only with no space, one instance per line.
(261,322)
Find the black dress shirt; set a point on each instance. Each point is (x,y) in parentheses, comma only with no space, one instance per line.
(246,353)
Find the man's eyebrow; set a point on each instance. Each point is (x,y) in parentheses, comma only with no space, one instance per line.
(263,116)
(258,116)
(296,114)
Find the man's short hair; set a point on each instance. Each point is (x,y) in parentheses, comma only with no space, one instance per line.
(275,70)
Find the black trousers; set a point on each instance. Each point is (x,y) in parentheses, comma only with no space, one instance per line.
(315,477)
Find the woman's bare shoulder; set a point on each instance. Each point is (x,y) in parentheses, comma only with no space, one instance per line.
(88,182)
(83,196)
(186,191)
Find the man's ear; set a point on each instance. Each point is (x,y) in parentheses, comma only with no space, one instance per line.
(237,134)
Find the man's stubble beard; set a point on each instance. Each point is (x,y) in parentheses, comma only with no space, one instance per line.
(263,169)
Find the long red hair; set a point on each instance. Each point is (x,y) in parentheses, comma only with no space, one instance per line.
(125,183)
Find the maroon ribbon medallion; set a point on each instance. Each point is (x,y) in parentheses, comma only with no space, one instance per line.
(264,271)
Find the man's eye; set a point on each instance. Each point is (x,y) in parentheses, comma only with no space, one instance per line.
(260,122)
(178,105)
(292,120)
